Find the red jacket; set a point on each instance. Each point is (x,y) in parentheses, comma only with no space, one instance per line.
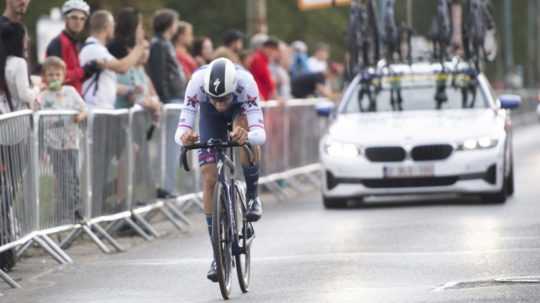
(261,72)
(67,49)
(189,65)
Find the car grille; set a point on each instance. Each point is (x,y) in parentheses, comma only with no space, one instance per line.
(409,182)
(431,152)
(385,154)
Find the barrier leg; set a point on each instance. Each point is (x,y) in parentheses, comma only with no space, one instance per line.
(49,250)
(57,249)
(139,219)
(9,280)
(138,229)
(20,251)
(109,238)
(113,226)
(314,177)
(276,191)
(169,216)
(96,239)
(197,201)
(295,185)
(66,243)
(178,214)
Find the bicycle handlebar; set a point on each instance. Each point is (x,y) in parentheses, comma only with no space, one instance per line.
(214,144)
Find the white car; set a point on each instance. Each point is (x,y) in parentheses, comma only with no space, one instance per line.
(463,148)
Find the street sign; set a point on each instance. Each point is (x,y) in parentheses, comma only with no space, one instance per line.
(315,4)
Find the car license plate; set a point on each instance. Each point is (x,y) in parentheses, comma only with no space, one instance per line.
(408,171)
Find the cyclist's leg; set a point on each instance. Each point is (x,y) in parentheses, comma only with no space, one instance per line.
(212,125)
(251,175)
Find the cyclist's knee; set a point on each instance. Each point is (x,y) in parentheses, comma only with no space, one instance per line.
(209,176)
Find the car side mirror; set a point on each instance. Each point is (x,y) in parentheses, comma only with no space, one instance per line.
(510,101)
(325,108)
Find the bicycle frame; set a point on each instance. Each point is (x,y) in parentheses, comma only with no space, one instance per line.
(226,180)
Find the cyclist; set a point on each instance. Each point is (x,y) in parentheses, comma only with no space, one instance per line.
(224,93)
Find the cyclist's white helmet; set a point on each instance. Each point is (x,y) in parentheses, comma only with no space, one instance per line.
(220,78)
(79,5)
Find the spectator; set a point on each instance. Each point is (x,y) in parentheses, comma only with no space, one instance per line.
(203,50)
(170,83)
(318,63)
(259,67)
(61,138)
(280,73)
(299,64)
(14,66)
(163,68)
(233,45)
(66,46)
(183,41)
(312,84)
(127,31)
(138,88)
(100,90)
(15,94)
(15,11)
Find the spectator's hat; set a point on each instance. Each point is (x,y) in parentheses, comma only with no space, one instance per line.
(76,5)
(299,46)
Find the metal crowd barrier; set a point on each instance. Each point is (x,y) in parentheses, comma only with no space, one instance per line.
(102,175)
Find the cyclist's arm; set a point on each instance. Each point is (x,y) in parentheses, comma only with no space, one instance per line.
(189,111)
(253,111)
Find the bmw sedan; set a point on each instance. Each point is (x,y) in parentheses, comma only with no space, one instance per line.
(415,130)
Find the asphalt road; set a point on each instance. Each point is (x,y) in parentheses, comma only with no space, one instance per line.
(431,251)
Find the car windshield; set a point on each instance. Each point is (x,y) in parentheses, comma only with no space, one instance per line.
(417,92)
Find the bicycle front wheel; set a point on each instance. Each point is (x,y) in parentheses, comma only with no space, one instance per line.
(221,241)
(244,236)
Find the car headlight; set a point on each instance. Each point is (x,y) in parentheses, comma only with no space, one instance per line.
(477,144)
(338,149)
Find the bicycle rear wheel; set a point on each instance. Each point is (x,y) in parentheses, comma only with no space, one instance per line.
(244,234)
(221,241)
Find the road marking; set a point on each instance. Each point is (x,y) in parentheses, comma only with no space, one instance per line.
(501,281)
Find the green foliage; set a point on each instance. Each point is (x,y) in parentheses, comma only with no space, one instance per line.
(212,17)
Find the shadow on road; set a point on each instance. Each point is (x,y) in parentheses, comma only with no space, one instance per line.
(387,203)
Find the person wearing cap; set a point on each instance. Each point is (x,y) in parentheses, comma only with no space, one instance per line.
(233,45)
(300,58)
(67,45)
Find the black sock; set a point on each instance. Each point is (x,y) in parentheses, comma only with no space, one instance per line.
(251,174)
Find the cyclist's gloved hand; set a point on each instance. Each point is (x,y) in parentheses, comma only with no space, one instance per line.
(239,135)
(189,137)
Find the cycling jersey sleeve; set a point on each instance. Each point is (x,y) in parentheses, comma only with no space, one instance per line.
(254,114)
(189,110)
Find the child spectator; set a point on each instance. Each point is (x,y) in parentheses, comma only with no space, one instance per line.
(62,135)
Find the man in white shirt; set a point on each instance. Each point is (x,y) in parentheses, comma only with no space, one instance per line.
(318,63)
(100,90)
